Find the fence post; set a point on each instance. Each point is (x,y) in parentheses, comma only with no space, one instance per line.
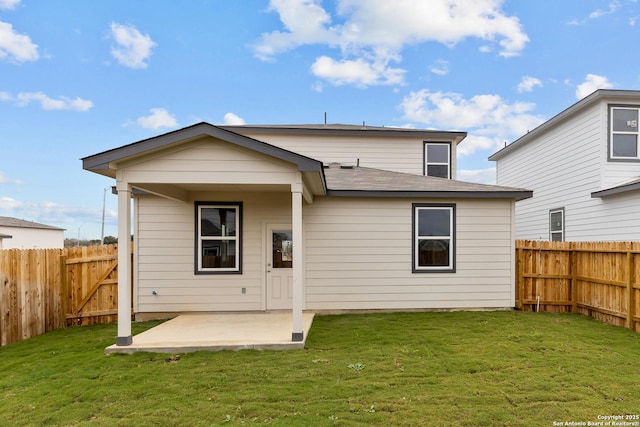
(574,281)
(64,290)
(630,291)
(519,279)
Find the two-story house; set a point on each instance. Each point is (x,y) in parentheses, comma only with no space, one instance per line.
(583,166)
(306,217)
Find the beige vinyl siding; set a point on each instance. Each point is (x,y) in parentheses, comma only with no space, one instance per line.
(166,228)
(359,256)
(393,154)
(166,254)
(208,160)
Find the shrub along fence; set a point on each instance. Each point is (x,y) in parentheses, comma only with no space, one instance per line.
(46,289)
(601,279)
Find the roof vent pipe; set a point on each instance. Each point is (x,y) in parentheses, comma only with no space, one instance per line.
(325,118)
(358,164)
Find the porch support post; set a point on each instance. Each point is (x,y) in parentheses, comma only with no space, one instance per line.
(124,264)
(296,225)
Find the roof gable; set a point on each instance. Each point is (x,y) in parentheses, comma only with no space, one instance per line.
(102,162)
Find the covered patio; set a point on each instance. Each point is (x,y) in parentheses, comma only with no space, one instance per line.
(189,333)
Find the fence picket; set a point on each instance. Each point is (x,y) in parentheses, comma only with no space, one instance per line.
(38,289)
(598,279)
(43,290)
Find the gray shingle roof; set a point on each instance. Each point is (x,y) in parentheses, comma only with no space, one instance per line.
(6,221)
(359,181)
(325,129)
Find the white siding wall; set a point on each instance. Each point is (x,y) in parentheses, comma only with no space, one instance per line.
(563,167)
(358,256)
(31,238)
(393,154)
(166,254)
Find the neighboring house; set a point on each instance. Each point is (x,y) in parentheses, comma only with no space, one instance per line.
(316,217)
(583,166)
(20,234)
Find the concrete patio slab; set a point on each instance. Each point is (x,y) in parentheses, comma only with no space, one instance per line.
(188,333)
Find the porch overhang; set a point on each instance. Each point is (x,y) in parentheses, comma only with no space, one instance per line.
(106,163)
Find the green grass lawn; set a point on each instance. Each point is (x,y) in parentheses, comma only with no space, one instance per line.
(413,369)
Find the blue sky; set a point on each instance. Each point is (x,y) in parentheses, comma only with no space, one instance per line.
(79,77)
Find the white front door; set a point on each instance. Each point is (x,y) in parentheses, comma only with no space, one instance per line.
(279,267)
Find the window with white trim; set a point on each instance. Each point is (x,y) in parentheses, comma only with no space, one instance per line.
(437,159)
(624,134)
(218,237)
(433,237)
(556,225)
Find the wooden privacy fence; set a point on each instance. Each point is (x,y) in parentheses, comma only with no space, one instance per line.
(601,280)
(42,290)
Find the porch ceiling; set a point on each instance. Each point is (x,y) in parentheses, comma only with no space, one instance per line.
(183,192)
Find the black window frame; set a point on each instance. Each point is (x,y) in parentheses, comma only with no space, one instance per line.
(237,269)
(415,208)
(425,163)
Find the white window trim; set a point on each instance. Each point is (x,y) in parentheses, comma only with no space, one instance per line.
(450,268)
(237,238)
(612,133)
(427,163)
(561,232)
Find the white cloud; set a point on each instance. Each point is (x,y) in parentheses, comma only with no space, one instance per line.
(133,48)
(613,6)
(23,99)
(9,204)
(16,47)
(488,119)
(482,176)
(304,21)
(232,119)
(159,118)
(528,83)
(599,13)
(358,72)
(371,34)
(9,4)
(4,179)
(441,67)
(51,213)
(592,83)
